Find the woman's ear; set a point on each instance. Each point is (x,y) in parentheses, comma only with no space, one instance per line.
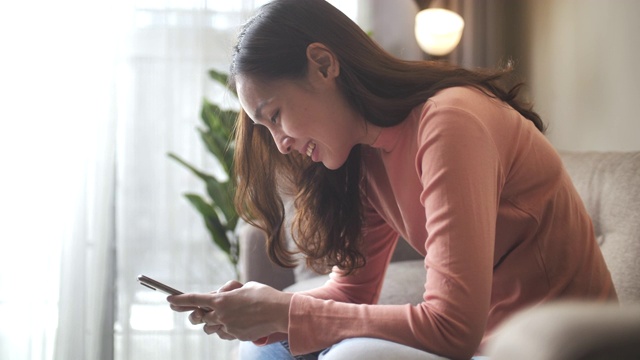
(322,61)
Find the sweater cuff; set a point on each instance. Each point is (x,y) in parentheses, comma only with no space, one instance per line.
(298,340)
(270,339)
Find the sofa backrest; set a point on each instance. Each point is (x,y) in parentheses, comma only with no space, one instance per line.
(609,184)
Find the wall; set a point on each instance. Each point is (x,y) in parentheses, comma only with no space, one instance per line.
(582,59)
(579,57)
(391,24)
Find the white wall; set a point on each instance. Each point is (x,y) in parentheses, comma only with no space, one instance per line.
(583,68)
(391,24)
(580,59)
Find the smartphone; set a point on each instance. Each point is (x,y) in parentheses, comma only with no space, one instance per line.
(157,285)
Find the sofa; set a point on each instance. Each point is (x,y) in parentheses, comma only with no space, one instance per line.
(609,184)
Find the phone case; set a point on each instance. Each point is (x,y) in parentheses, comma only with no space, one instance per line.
(157,285)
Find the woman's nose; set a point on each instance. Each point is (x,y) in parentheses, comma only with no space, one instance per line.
(284,144)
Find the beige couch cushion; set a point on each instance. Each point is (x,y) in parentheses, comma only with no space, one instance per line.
(609,184)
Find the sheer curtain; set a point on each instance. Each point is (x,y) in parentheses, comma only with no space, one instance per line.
(85,305)
(56,124)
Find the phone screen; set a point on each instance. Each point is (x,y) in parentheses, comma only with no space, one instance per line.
(157,285)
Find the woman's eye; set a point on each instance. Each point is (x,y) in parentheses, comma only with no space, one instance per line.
(274,118)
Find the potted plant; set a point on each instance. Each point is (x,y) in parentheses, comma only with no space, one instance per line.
(217,208)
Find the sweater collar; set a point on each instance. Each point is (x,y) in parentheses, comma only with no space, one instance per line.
(389,137)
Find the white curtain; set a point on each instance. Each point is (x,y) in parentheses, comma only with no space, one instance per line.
(93,95)
(86,293)
(56,139)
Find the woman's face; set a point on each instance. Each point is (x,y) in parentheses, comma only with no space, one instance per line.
(310,115)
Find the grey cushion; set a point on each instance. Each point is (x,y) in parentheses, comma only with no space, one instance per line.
(404,283)
(609,184)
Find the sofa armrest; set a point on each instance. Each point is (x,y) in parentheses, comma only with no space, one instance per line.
(568,331)
(255,265)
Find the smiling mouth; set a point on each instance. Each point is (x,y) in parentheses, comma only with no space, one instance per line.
(310,149)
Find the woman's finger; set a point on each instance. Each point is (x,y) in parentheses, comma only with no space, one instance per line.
(224,335)
(183,308)
(190,300)
(230,285)
(210,328)
(197,317)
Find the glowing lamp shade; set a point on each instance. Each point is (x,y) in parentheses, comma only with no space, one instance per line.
(438,31)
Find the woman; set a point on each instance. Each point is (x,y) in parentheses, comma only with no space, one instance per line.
(376,148)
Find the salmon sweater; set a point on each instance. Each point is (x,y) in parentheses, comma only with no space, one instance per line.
(474,187)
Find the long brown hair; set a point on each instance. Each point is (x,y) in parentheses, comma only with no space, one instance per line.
(272,46)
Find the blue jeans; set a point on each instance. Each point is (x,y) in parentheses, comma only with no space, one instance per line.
(349,349)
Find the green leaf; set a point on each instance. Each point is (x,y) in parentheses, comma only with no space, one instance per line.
(221,78)
(228,119)
(217,145)
(216,229)
(202,175)
(221,193)
(228,160)
(210,115)
(218,120)
(222,198)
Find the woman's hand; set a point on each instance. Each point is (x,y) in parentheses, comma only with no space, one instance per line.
(197,312)
(235,311)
